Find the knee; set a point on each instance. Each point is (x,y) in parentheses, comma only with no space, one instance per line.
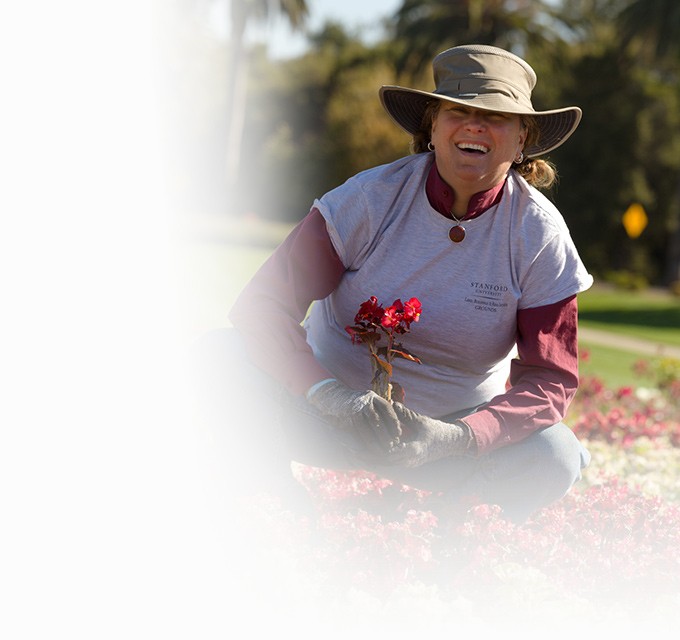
(536,471)
(561,456)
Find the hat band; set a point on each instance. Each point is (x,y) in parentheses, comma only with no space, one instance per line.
(471,88)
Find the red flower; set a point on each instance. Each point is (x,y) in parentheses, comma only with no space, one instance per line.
(369,311)
(412,310)
(393,316)
(370,322)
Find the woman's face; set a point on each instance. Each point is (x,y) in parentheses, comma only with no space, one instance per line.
(474,149)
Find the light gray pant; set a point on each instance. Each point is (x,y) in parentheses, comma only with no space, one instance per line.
(263,429)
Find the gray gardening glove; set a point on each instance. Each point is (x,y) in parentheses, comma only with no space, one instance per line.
(365,413)
(429,439)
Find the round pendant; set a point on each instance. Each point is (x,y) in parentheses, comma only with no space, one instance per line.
(457,233)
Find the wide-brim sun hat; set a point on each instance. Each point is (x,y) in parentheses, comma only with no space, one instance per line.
(487,78)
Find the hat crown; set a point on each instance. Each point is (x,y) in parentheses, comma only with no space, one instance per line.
(469,71)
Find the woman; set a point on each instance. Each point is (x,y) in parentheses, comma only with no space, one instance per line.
(460,225)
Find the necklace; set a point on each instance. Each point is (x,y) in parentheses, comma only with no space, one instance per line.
(457,232)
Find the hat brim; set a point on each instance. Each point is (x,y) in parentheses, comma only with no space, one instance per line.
(407,107)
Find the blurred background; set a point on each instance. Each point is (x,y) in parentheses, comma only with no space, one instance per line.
(273,102)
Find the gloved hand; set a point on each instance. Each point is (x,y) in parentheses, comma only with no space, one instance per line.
(430,439)
(368,415)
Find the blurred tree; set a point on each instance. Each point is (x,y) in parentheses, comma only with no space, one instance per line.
(323,121)
(358,134)
(655,24)
(627,142)
(652,29)
(242,12)
(601,165)
(425,27)
(191,77)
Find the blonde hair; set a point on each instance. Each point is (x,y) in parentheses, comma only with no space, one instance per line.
(539,173)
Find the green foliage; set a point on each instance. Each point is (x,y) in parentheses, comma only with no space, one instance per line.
(598,166)
(323,123)
(655,25)
(363,136)
(626,280)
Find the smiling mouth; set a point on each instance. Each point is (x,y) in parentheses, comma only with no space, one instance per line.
(473,148)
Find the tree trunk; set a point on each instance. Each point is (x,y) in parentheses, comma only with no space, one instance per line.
(672,274)
(236,102)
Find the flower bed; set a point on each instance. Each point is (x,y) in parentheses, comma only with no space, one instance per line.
(609,549)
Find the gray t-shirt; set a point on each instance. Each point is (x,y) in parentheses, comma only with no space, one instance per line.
(518,255)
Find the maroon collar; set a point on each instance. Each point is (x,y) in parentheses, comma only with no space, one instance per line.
(442,197)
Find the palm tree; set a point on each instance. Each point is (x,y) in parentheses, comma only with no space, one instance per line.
(428,26)
(655,21)
(242,13)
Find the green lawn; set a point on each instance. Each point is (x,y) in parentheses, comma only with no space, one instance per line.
(211,276)
(648,314)
(613,366)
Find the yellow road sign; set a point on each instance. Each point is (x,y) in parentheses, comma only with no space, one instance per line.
(635,220)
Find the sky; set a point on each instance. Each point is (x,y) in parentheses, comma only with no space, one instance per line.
(354,14)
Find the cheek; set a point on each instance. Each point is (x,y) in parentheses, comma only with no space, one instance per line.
(441,132)
(513,140)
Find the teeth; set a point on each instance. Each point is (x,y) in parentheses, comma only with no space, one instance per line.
(472,147)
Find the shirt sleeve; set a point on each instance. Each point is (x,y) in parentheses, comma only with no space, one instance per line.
(543,378)
(269,311)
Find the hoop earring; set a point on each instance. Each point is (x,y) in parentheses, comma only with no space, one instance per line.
(520,159)
(430,146)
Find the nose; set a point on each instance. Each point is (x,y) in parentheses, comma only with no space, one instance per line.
(475,120)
